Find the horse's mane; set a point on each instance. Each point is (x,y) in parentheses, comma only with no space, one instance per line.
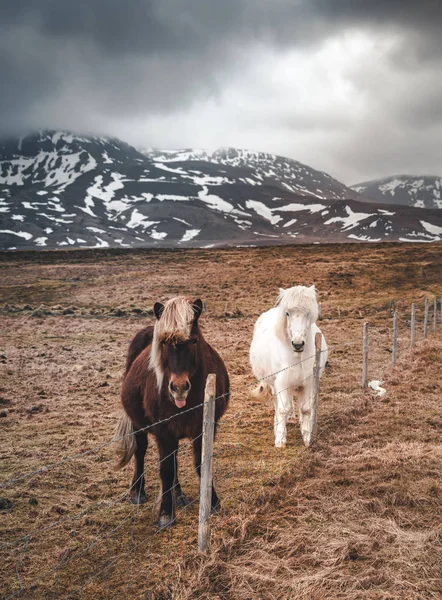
(299,298)
(174,325)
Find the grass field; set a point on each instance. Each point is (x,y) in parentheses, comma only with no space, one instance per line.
(355,516)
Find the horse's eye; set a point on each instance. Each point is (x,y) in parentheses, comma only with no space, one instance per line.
(163,342)
(287,314)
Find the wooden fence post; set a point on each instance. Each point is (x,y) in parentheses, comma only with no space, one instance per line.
(206,464)
(435,315)
(426,318)
(365,356)
(413,324)
(312,422)
(395,328)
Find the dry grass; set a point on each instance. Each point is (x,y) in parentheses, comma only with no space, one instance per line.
(357,516)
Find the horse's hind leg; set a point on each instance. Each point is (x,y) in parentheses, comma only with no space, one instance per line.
(168,472)
(137,494)
(197,450)
(181,499)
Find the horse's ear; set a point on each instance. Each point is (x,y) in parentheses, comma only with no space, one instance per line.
(312,287)
(158,309)
(198,308)
(280,295)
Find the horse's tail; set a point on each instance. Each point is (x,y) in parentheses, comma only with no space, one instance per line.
(125,440)
(262,392)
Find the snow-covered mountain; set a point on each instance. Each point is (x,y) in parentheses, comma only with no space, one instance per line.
(421,192)
(63,190)
(286,173)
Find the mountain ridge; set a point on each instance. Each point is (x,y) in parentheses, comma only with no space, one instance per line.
(420,191)
(59,189)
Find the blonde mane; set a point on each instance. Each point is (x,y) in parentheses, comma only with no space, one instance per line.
(174,325)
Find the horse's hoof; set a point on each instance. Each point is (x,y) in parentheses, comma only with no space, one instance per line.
(137,497)
(165,521)
(182,500)
(280,445)
(307,438)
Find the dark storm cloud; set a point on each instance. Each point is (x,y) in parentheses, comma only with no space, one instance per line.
(85,63)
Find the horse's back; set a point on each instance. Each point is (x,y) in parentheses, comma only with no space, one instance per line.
(215,364)
(142,340)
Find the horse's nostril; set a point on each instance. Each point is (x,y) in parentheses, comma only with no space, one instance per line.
(173,386)
(298,346)
(186,386)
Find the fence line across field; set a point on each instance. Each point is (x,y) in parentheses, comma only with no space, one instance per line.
(206,485)
(94,450)
(205,488)
(105,505)
(100,447)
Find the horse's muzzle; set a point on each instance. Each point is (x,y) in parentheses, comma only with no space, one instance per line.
(178,393)
(298,347)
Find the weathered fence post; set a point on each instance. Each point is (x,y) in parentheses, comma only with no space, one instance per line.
(413,324)
(312,422)
(426,318)
(206,464)
(395,328)
(365,356)
(320,312)
(435,315)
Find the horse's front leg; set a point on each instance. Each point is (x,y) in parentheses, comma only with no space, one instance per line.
(168,472)
(137,495)
(197,450)
(283,410)
(305,401)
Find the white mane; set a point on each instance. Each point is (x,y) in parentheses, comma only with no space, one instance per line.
(300,299)
(174,324)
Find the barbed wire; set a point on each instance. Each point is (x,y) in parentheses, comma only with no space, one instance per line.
(85,511)
(99,539)
(63,563)
(100,447)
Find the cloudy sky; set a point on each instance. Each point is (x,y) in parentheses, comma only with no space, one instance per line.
(352,87)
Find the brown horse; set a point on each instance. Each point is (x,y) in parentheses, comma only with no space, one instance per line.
(166,371)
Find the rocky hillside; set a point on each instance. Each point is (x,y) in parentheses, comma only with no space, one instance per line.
(60,190)
(420,192)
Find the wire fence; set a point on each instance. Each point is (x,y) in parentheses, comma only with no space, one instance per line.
(20,548)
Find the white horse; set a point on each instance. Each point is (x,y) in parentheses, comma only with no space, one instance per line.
(282,356)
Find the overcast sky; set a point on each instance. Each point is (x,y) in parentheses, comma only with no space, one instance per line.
(351,87)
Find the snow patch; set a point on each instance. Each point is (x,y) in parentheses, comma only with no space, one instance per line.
(139,220)
(264,211)
(158,235)
(349,222)
(190,234)
(22,234)
(434,229)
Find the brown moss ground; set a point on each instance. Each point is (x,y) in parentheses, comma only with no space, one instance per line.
(354,517)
